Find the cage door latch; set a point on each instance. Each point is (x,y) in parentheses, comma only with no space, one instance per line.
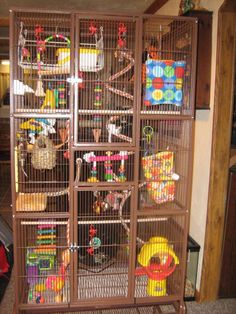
(73,247)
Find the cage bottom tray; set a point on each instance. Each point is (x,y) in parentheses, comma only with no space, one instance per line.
(113,282)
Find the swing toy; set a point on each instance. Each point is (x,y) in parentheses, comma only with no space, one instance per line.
(109,176)
(157,273)
(25,59)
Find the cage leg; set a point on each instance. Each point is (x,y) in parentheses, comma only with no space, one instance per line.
(182,308)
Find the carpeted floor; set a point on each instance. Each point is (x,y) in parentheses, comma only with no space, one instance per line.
(222,306)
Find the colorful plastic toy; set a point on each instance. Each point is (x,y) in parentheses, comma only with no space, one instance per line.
(164,82)
(40,287)
(55,283)
(159,171)
(42,257)
(107,159)
(32,272)
(157,273)
(37,126)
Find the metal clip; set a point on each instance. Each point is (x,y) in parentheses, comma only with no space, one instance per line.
(71,247)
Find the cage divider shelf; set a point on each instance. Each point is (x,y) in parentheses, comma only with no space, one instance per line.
(46,113)
(38,215)
(159,112)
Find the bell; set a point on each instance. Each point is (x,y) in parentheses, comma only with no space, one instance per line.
(105,206)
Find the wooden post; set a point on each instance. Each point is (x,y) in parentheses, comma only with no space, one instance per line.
(226,49)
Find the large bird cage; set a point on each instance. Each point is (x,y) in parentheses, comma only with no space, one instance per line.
(102,110)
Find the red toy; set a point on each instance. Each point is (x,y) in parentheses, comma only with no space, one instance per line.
(4,266)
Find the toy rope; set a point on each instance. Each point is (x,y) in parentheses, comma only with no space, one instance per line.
(68,233)
(116,75)
(124,197)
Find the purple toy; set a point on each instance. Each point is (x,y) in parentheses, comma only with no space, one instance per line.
(32,274)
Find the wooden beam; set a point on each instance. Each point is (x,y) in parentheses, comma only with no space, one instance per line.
(228,6)
(221,134)
(155,6)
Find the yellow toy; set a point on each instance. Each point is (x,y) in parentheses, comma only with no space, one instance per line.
(159,171)
(59,298)
(40,287)
(32,125)
(49,101)
(157,273)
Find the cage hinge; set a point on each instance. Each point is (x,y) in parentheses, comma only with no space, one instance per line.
(74,80)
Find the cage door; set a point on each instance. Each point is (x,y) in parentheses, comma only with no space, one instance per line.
(105,64)
(103,252)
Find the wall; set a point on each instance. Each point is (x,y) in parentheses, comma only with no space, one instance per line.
(170,8)
(203,138)
(4,79)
